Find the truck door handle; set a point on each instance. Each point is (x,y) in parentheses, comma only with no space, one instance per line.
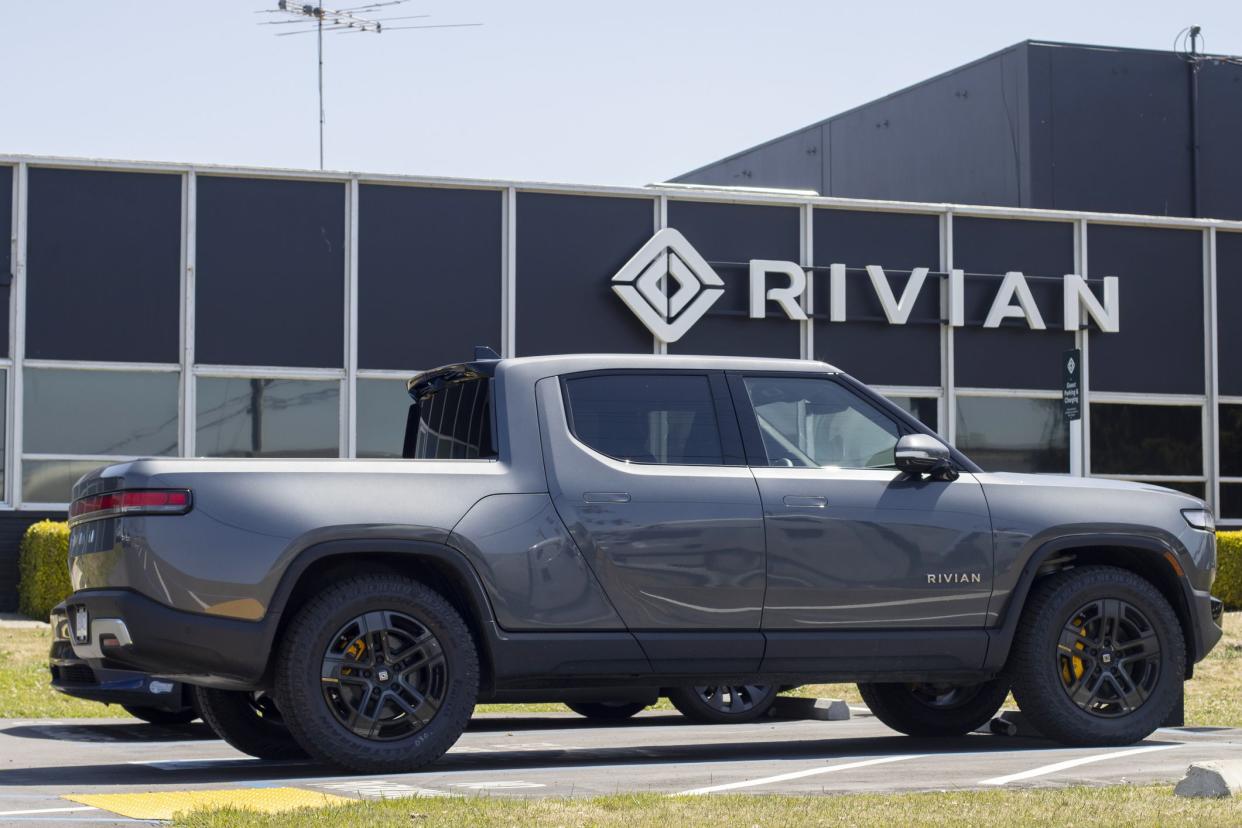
(606,497)
(805,501)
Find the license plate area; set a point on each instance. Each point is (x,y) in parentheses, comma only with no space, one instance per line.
(80,624)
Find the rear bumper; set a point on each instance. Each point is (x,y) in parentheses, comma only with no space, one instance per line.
(199,649)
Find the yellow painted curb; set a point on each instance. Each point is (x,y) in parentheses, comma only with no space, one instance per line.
(164,804)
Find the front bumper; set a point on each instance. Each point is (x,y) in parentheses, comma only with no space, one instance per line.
(135,631)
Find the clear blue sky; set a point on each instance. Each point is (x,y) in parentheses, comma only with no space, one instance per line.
(619,93)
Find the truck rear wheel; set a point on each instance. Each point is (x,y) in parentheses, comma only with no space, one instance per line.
(607,711)
(937,710)
(1099,657)
(377,674)
(249,722)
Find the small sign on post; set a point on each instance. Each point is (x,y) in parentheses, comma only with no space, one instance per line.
(1071,396)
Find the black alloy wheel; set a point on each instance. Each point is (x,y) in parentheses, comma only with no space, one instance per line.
(1108,658)
(384,675)
(937,710)
(724,703)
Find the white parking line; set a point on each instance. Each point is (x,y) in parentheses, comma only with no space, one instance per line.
(1044,770)
(785,777)
(30,811)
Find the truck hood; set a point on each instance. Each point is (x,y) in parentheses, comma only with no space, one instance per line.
(1097,484)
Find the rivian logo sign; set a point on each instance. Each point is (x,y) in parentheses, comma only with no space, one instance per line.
(643,284)
(669,286)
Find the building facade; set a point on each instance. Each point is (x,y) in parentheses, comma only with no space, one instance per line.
(1045,125)
(175,310)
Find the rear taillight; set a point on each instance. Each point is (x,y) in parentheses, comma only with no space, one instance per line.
(135,502)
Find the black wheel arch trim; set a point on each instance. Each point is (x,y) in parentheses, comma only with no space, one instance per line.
(1158,554)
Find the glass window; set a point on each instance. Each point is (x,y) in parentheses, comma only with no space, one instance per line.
(1018,434)
(382,408)
(924,409)
(1146,439)
(817,422)
(257,417)
(1231,501)
(1231,440)
(100,412)
(51,481)
(454,423)
(647,418)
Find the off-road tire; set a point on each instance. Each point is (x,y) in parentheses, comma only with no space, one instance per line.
(607,711)
(159,716)
(1037,685)
(233,715)
(299,664)
(910,709)
(691,704)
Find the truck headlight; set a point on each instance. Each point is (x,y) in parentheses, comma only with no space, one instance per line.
(1200,519)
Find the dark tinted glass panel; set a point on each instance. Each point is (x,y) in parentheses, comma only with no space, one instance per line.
(1231,500)
(1194,489)
(1146,439)
(51,481)
(6,261)
(568,250)
(1228,300)
(255,417)
(925,409)
(647,419)
(104,252)
(1013,434)
(382,408)
(429,269)
(728,236)
(271,272)
(454,423)
(1231,440)
(866,345)
(1013,355)
(100,412)
(1160,273)
(817,423)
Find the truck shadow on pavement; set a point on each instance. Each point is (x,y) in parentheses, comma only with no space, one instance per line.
(116,732)
(188,771)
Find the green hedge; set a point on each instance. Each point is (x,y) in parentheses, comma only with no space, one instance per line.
(1228,586)
(43,568)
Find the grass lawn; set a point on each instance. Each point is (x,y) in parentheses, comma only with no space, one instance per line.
(1213,697)
(1115,806)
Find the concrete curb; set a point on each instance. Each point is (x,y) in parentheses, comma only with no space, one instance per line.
(1211,779)
(13,621)
(798,707)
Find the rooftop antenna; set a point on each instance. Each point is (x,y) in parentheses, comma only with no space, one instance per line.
(317,20)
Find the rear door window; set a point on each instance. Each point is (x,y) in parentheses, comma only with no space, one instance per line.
(665,419)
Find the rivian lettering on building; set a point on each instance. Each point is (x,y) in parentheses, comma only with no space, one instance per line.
(668,260)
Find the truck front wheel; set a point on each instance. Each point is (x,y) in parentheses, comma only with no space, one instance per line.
(929,709)
(377,674)
(1099,657)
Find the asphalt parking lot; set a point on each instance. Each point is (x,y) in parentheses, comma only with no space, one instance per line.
(44,761)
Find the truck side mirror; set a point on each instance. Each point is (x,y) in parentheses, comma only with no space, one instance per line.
(920,454)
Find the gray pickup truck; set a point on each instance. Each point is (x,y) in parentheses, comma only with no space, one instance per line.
(580,527)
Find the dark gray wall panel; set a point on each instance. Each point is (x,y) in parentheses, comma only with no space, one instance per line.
(568,250)
(1228,311)
(429,271)
(792,161)
(729,236)
(103,253)
(1013,355)
(271,272)
(1160,346)
(1220,130)
(869,347)
(1119,129)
